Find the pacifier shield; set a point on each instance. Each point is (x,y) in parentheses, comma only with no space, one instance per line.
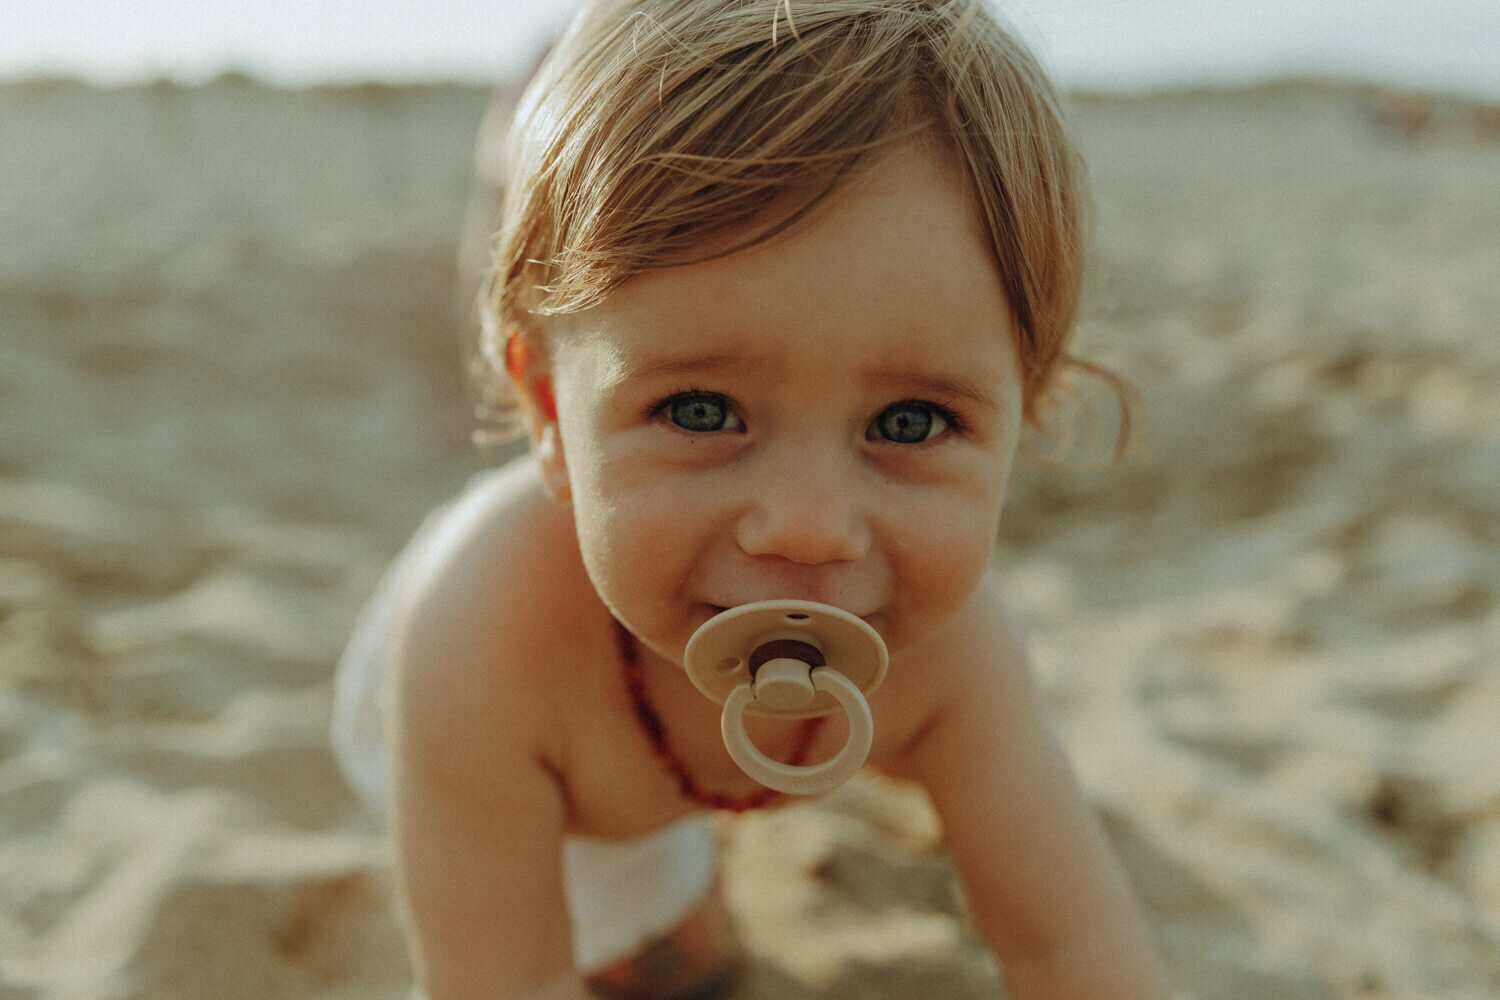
(789,660)
(719,655)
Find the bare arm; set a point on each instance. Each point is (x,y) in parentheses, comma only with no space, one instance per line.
(1045,889)
(477,813)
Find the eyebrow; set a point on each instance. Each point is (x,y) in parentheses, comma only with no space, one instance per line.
(934,385)
(649,369)
(942,386)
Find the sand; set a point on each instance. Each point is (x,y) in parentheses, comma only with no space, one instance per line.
(229,390)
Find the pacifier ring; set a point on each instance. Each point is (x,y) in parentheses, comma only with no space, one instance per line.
(812,778)
(789,660)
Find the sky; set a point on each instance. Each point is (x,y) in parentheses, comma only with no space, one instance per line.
(1445,45)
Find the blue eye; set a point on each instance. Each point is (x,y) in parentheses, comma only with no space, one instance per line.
(701,412)
(907,423)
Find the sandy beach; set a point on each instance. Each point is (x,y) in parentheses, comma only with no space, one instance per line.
(230,388)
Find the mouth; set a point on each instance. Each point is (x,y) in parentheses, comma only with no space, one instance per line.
(714,610)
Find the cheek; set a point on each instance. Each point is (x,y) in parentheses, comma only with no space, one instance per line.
(955,556)
(948,549)
(640,540)
(628,534)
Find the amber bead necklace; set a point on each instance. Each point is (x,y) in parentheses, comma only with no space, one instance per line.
(656,734)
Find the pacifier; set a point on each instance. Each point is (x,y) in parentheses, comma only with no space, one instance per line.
(789,660)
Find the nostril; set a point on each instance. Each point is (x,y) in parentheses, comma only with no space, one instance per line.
(808,530)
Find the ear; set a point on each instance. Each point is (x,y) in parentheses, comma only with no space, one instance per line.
(531,374)
(548,447)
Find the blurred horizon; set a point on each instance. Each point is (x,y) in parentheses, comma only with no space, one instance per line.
(1450,46)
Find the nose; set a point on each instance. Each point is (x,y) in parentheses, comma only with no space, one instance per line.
(805,512)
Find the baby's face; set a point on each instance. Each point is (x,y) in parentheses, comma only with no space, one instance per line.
(829,416)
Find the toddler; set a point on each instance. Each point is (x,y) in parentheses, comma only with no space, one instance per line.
(778,286)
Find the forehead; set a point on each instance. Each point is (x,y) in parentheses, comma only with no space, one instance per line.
(898,244)
(884,292)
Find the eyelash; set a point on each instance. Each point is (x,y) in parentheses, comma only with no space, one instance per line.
(661,406)
(953,424)
(956,424)
(944,410)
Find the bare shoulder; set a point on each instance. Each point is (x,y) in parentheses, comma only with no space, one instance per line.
(488,586)
(982,646)
(500,554)
(972,677)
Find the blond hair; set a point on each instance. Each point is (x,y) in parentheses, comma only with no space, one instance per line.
(655,124)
